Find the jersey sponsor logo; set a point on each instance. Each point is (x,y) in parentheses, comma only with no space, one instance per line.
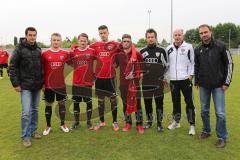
(81,63)
(145,54)
(151,60)
(55,65)
(104,54)
(157,54)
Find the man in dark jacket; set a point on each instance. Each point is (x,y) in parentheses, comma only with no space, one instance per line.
(155,66)
(27,78)
(213,71)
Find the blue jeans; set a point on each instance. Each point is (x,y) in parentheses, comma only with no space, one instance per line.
(219,104)
(29,119)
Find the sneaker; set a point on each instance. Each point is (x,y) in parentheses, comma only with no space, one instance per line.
(127,127)
(27,143)
(89,126)
(148,125)
(36,135)
(204,135)
(75,126)
(115,126)
(64,128)
(1,77)
(221,143)
(47,131)
(192,130)
(140,129)
(160,128)
(174,125)
(99,125)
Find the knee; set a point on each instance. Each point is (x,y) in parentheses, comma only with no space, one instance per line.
(62,102)
(48,103)
(221,115)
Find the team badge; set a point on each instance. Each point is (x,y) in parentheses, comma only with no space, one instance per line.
(62,58)
(87,55)
(157,54)
(110,46)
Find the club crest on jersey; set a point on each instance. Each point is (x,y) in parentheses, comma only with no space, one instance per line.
(157,54)
(49,57)
(87,55)
(62,58)
(182,50)
(110,46)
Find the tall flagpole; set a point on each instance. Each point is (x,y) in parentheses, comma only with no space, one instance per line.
(149,18)
(171,21)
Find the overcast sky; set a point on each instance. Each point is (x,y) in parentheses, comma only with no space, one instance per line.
(71,17)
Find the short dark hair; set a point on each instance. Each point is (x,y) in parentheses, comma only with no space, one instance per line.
(151,30)
(205,25)
(30,29)
(126,36)
(83,35)
(102,27)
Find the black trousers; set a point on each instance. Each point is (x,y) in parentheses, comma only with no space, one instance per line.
(156,92)
(186,87)
(1,69)
(138,114)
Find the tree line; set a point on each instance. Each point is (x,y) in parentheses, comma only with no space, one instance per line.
(229,33)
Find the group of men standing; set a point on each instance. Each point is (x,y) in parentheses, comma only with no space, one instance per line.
(210,64)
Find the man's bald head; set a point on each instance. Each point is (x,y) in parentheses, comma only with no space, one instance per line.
(178,36)
(178,30)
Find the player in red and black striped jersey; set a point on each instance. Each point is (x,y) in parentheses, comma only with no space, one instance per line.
(53,61)
(82,58)
(4,55)
(105,75)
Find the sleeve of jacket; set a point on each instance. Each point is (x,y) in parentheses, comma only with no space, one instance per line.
(228,66)
(191,64)
(14,66)
(196,67)
(164,59)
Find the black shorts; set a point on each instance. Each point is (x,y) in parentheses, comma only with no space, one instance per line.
(105,87)
(4,65)
(80,93)
(50,94)
(152,90)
